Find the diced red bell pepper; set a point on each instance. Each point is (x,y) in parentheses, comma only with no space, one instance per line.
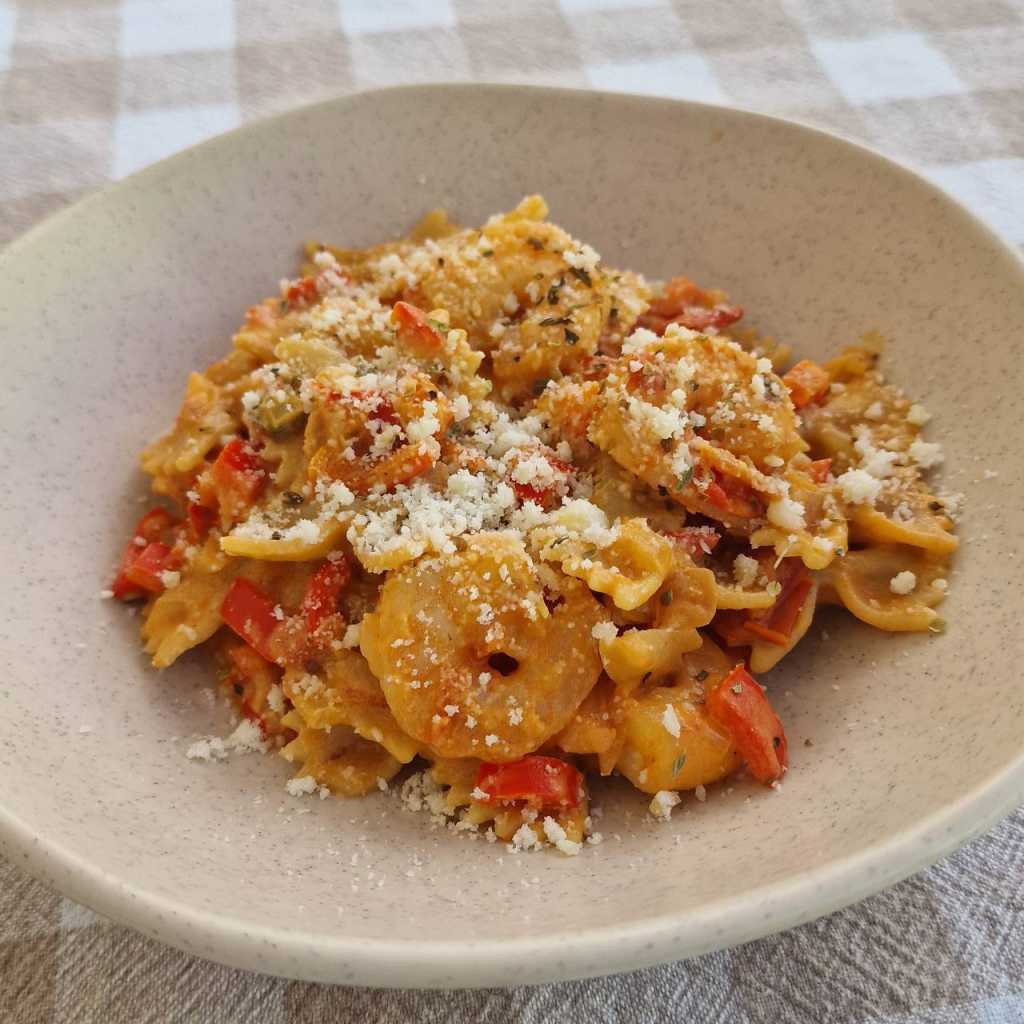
(154,526)
(323,590)
(536,779)
(700,318)
(238,477)
(199,519)
(685,303)
(738,703)
(807,382)
(302,292)
(414,328)
(819,469)
(776,623)
(733,497)
(731,626)
(250,613)
(677,293)
(695,540)
(145,570)
(547,497)
(380,406)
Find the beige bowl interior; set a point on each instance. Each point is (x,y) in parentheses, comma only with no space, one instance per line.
(105,308)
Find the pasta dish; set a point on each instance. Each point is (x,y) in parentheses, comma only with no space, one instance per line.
(474,516)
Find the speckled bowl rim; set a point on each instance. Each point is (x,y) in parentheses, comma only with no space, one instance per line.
(292,952)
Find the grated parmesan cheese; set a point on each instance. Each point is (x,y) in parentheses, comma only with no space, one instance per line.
(903,582)
(670,720)
(859,487)
(662,803)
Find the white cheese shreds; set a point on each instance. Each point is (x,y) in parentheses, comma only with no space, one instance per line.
(275,699)
(583,257)
(859,487)
(662,804)
(918,415)
(879,463)
(604,631)
(903,582)
(557,837)
(745,570)
(246,739)
(301,787)
(926,453)
(670,720)
(524,839)
(786,513)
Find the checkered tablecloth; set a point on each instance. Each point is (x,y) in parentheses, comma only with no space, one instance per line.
(94,89)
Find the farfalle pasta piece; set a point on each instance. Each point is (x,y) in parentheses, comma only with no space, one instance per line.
(630,568)
(907,513)
(670,740)
(685,601)
(208,413)
(594,728)
(805,522)
(337,758)
(186,615)
(345,692)
(621,495)
(891,586)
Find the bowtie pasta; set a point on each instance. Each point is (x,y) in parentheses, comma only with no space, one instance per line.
(475,513)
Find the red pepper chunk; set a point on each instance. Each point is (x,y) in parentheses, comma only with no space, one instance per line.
(700,318)
(696,541)
(733,497)
(686,303)
(807,383)
(536,779)
(738,704)
(548,497)
(238,477)
(199,519)
(250,613)
(151,528)
(414,328)
(818,470)
(302,291)
(145,571)
(323,590)
(776,625)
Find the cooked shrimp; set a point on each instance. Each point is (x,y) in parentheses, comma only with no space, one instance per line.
(477,657)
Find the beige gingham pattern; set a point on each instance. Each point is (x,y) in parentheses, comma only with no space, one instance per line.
(94,89)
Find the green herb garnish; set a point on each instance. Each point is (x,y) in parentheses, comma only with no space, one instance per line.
(684,478)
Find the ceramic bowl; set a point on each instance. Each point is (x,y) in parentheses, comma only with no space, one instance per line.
(107,306)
